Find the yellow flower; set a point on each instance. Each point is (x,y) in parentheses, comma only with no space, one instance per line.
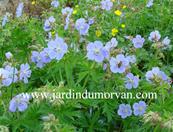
(75,12)
(53,33)
(114,31)
(98,33)
(124,6)
(123,25)
(118,12)
(113,0)
(33,2)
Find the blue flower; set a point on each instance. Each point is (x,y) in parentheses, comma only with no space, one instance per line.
(111,44)
(105,66)
(139,108)
(119,64)
(47,26)
(91,21)
(166,41)
(3,76)
(25,72)
(150,3)
(67,20)
(82,26)
(5,20)
(154,36)
(109,47)
(124,110)
(45,55)
(19,9)
(8,55)
(57,48)
(67,12)
(95,51)
(19,103)
(131,81)
(138,41)
(55,3)
(106,5)
(131,59)
(10,75)
(48,23)
(156,76)
(37,59)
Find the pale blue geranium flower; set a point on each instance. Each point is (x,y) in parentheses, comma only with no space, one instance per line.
(91,21)
(106,5)
(111,44)
(156,76)
(67,12)
(5,20)
(139,108)
(166,41)
(119,64)
(124,110)
(138,41)
(45,55)
(37,59)
(55,3)
(154,36)
(48,23)
(105,66)
(131,81)
(19,9)
(8,55)
(150,3)
(82,26)
(95,51)
(10,75)
(67,20)
(3,76)
(18,103)
(131,59)
(25,72)
(57,48)
(47,26)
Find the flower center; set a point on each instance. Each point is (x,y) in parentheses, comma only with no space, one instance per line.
(96,51)
(17,100)
(125,110)
(58,49)
(140,108)
(82,27)
(24,71)
(39,58)
(120,64)
(131,80)
(157,78)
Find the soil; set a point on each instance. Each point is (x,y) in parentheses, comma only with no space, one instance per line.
(32,10)
(8,6)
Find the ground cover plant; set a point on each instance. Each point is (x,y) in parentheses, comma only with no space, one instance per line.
(79,46)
